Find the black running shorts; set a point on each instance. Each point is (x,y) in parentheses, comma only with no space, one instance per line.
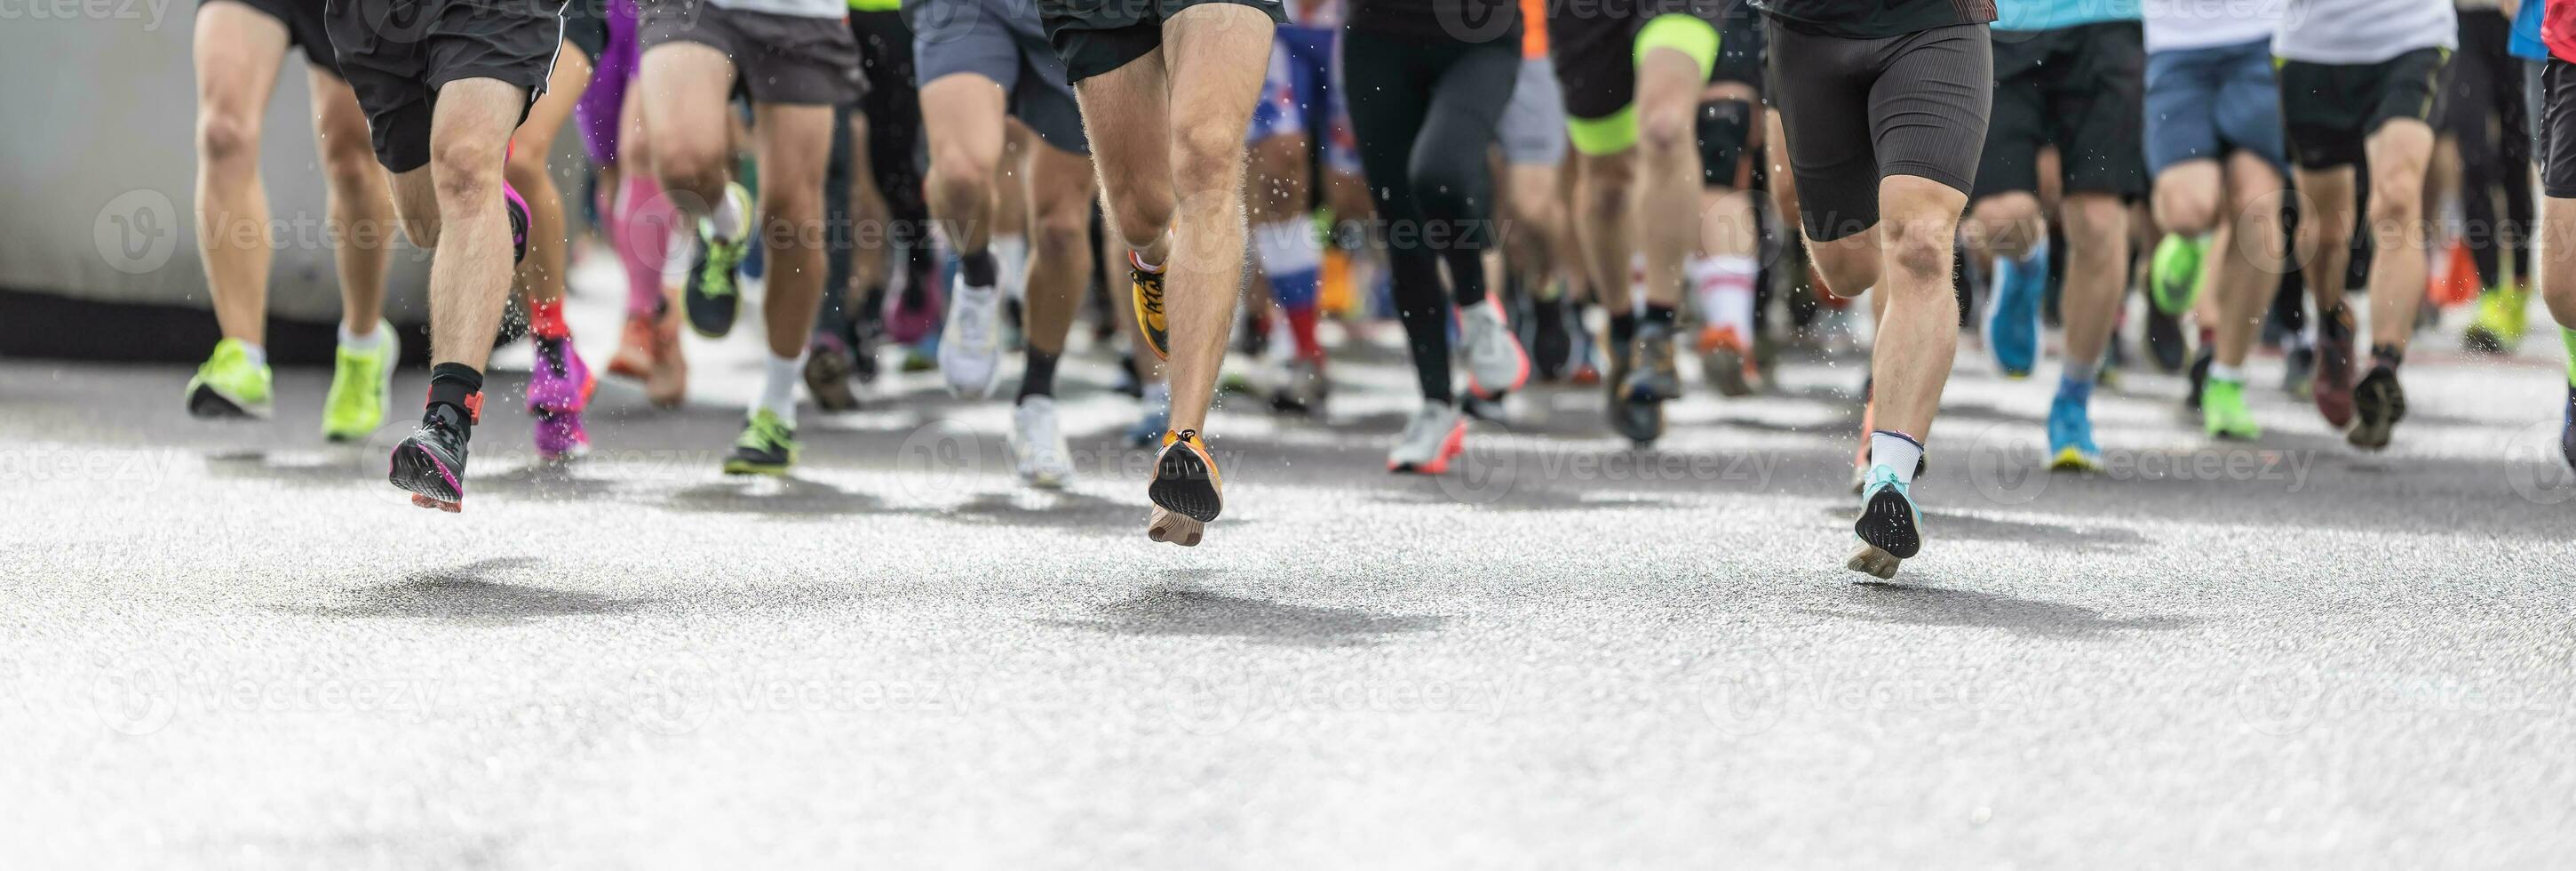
(397,54)
(304,27)
(2558,130)
(2080,88)
(1858,110)
(1096,36)
(2329,109)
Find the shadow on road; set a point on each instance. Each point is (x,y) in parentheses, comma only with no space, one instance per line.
(1910,605)
(1184,608)
(464,594)
(774,496)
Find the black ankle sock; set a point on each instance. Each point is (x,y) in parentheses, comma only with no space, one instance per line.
(457,386)
(1040,378)
(979,268)
(1660,314)
(1623,329)
(2387,355)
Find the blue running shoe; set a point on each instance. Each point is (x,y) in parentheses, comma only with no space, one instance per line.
(1890,528)
(2070,429)
(2012,317)
(2567,430)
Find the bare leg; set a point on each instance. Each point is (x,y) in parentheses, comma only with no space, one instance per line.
(469,279)
(685,86)
(238,54)
(541,273)
(793,142)
(2397,157)
(1060,249)
(361,211)
(1919,334)
(2097,271)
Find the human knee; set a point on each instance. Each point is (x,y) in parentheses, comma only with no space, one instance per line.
(1206,159)
(2007,222)
(465,170)
(2094,222)
(227,136)
(1919,249)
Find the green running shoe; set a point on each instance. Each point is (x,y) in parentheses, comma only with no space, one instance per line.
(710,299)
(2175,277)
(767,446)
(2223,413)
(362,386)
(2500,322)
(229,385)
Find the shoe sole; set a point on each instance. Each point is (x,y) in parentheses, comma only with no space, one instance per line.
(428,480)
(206,403)
(1182,484)
(2072,460)
(1640,420)
(2376,409)
(1726,370)
(1520,374)
(1887,523)
(747,467)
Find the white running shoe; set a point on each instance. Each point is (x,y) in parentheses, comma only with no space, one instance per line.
(1038,446)
(970,345)
(1436,435)
(1496,365)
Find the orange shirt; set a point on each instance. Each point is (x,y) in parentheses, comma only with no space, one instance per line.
(1533,29)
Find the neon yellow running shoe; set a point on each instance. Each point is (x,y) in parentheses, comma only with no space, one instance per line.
(229,385)
(362,386)
(767,446)
(2223,413)
(2502,316)
(2174,280)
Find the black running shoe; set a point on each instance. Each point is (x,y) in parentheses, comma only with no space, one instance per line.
(2378,403)
(1551,346)
(710,296)
(864,338)
(1651,378)
(2165,341)
(431,461)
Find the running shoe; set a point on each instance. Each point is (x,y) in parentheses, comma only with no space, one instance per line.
(517,209)
(1496,365)
(970,346)
(431,461)
(2378,403)
(711,298)
(1156,418)
(913,316)
(362,386)
(1037,445)
(666,383)
(1431,439)
(1148,289)
(2298,369)
(2500,321)
(2223,413)
(1651,379)
(1302,388)
(1551,343)
(559,388)
(865,337)
(2331,386)
(1727,361)
(230,385)
(2070,434)
(1187,490)
(827,374)
(634,357)
(767,446)
(2166,343)
(2567,429)
(2012,320)
(2174,279)
(1890,528)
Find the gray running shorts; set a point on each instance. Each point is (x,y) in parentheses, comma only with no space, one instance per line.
(1001,40)
(1533,129)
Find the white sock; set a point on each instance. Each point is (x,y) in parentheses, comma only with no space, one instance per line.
(778,387)
(1895,453)
(367,342)
(728,221)
(1723,286)
(2223,372)
(256,354)
(1011,259)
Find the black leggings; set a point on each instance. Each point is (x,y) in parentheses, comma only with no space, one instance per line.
(2483,82)
(1424,122)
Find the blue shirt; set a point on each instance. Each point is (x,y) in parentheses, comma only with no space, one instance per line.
(2526,33)
(2054,14)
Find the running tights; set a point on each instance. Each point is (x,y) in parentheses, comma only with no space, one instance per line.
(1424,123)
